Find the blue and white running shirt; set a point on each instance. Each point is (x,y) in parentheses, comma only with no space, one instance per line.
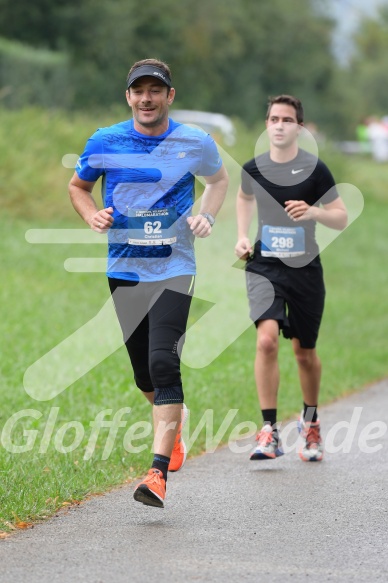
(149,182)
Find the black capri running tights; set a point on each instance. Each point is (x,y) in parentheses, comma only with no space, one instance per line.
(153,318)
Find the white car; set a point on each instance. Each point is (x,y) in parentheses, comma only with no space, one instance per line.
(213,123)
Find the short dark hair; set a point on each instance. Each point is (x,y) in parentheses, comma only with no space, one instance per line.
(288,100)
(153,63)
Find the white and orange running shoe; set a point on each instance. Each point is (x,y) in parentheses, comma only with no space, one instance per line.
(312,448)
(269,445)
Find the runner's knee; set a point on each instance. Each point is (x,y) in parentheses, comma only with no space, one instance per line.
(307,358)
(165,368)
(267,344)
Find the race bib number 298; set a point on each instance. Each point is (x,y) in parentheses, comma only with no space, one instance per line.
(282,241)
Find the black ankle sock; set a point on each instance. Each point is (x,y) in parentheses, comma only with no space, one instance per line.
(310,413)
(269,416)
(160,462)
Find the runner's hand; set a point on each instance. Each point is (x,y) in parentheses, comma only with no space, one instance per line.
(298,210)
(243,248)
(102,220)
(200,226)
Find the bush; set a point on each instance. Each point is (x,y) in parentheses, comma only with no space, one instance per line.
(30,76)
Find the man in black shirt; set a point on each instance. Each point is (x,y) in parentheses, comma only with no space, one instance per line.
(292,191)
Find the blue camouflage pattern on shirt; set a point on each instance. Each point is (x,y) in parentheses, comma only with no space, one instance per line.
(148,172)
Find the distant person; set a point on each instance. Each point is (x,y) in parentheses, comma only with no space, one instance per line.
(378,136)
(363,136)
(148,165)
(292,190)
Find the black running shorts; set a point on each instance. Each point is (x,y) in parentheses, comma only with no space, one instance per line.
(299,298)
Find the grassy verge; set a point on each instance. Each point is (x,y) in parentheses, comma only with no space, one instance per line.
(43,304)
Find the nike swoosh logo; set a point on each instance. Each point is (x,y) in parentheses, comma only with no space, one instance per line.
(297,171)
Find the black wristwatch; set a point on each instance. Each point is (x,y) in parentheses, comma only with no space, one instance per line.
(209,217)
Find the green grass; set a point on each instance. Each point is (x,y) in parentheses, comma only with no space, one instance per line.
(43,304)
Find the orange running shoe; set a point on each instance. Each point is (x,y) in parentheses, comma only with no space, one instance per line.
(179,452)
(152,490)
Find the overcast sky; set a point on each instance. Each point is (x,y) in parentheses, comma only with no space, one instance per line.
(348,14)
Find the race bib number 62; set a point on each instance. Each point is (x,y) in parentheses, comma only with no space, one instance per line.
(152,226)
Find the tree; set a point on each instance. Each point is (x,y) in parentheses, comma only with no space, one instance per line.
(227,56)
(41,23)
(368,69)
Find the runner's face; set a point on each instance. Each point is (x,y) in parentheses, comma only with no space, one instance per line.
(149,102)
(282,125)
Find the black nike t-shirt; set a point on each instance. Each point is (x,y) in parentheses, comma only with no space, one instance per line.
(305,178)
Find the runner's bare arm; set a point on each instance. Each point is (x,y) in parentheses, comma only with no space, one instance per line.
(80,192)
(246,207)
(212,198)
(333,215)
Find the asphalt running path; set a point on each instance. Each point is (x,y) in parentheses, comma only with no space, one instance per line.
(229,519)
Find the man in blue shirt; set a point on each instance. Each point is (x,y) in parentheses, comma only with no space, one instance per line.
(148,167)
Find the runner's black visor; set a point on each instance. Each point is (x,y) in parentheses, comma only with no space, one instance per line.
(148,71)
